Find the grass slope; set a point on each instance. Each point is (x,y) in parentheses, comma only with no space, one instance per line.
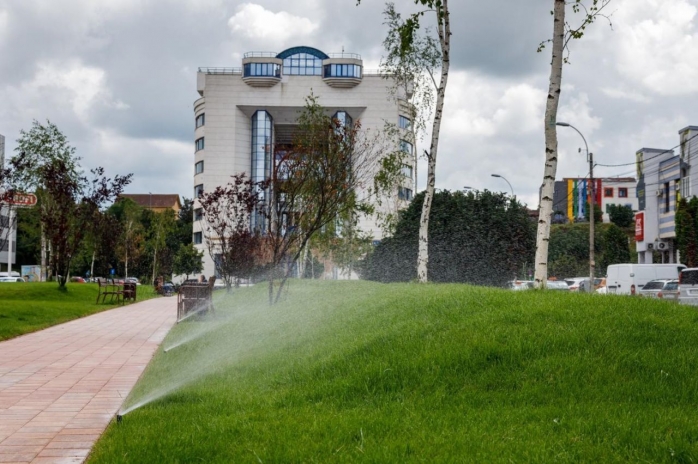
(28,307)
(358,371)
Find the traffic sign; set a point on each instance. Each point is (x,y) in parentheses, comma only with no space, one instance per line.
(21,199)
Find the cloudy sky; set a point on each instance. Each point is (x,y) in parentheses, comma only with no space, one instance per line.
(118,77)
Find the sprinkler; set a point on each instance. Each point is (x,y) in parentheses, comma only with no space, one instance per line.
(119,418)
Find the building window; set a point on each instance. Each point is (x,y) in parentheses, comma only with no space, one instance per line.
(199,167)
(406,146)
(198,238)
(608,192)
(406,171)
(343,118)
(303,64)
(200,120)
(622,192)
(262,125)
(404,123)
(667,201)
(261,69)
(404,193)
(685,186)
(342,70)
(198,214)
(199,144)
(198,190)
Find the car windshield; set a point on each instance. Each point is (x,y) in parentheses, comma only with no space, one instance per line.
(653,285)
(673,285)
(689,277)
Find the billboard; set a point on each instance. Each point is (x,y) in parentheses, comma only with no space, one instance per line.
(32,273)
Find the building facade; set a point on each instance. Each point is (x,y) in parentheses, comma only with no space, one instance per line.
(244,113)
(571,197)
(663,179)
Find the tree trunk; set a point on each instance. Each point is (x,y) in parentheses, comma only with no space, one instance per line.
(126,261)
(44,269)
(92,265)
(444,28)
(155,256)
(546,199)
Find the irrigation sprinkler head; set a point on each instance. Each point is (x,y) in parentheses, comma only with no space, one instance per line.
(119,418)
(165,351)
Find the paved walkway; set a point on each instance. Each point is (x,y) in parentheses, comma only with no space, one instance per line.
(60,387)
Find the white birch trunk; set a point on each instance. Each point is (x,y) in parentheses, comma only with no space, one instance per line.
(444,29)
(546,198)
(92,265)
(43,255)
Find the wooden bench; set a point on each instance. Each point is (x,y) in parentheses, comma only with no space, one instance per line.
(108,288)
(195,298)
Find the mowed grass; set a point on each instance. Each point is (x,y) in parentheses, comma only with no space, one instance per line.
(365,372)
(32,306)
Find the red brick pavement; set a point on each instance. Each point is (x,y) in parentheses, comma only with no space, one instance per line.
(60,387)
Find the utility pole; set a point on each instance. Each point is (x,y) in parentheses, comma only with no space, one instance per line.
(590,158)
(592,205)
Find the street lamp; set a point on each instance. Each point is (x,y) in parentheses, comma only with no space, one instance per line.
(590,158)
(505,180)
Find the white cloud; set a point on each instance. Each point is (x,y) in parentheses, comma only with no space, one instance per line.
(71,82)
(255,22)
(658,45)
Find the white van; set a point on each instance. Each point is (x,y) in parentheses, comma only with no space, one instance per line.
(628,279)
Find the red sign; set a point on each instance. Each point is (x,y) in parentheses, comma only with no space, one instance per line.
(22,199)
(640,227)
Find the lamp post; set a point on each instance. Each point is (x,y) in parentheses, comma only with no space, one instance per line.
(505,180)
(592,202)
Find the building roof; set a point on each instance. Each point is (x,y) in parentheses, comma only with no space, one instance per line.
(155,200)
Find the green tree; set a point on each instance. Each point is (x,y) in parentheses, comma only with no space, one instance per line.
(598,213)
(563,33)
(621,215)
(317,181)
(69,200)
(188,260)
(161,226)
(616,248)
(404,51)
(483,238)
(686,231)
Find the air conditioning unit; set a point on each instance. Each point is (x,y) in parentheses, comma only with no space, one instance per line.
(663,245)
(660,193)
(650,246)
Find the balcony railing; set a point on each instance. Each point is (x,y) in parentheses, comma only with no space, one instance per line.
(220,70)
(260,55)
(355,56)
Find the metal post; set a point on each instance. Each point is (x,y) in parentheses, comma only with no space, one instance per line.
(592,204)
(9,243)
(590,157)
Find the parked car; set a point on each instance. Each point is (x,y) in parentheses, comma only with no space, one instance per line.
(628,279)
(573,282)
(653,287)
(132,280)
(558,285)
(11,279)
(77,279)
(670,291)
(520,284)
(688,286)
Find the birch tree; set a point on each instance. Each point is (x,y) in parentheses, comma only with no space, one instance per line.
(407,47)
(563,32)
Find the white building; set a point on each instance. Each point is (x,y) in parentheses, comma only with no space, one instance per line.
(663,179)
(244,112)
(5,229)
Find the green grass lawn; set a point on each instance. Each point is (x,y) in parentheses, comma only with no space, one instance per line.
(364,372)
(28,307)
